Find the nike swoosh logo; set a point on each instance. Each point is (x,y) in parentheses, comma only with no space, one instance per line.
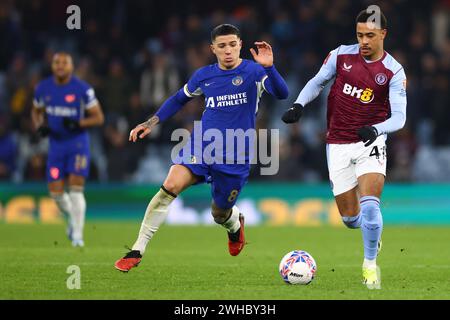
(208,84)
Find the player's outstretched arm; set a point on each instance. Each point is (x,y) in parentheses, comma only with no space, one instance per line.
(143,129)
(313,88)
(274,83)
(311,91)
(167,110)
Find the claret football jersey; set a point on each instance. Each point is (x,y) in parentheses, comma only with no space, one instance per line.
(362,92)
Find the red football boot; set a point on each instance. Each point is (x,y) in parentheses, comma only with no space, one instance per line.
(131,260)
(236,241)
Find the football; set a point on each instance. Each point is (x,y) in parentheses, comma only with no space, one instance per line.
(298,267)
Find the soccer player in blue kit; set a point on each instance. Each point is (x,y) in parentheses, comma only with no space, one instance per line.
(232,88)
(63,108)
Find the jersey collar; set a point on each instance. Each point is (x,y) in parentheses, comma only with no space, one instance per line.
(243,62)
(372,62)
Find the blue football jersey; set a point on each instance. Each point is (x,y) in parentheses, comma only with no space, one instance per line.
(60,101)
(231,102)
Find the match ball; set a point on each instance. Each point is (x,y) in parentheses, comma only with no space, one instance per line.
(298,267)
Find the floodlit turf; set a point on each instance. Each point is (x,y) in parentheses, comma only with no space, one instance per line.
(193,263)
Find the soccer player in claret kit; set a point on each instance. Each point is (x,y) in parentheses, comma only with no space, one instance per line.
(63,108)
(232,88)
(366,101)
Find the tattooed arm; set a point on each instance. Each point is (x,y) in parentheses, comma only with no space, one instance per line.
(171,106)
(143,129)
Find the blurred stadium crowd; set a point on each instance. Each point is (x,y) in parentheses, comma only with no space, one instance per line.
(137,53)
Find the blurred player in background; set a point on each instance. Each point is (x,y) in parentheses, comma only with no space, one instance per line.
(63,108)
(367,100)
(232,89)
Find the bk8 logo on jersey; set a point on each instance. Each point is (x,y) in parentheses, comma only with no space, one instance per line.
(298,267)
(365,96)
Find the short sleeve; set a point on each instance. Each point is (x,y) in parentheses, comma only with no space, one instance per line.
(314,86)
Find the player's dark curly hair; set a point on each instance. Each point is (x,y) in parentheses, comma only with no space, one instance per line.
(223,30)
(367,15)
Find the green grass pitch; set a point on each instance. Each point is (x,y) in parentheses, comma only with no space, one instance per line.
(193,263)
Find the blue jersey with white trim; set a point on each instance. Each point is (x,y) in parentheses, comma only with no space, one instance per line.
(231,96)
(231,102)
(69,100)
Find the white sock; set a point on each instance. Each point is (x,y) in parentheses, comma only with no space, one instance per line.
(232,224)
(155,215)
(64,204)
(370,263)
(79,212)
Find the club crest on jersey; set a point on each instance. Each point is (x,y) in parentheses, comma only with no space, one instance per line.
(380,79)
(237,81)
(69,98)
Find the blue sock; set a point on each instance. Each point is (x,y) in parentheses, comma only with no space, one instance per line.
(372,225)
(353,222)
